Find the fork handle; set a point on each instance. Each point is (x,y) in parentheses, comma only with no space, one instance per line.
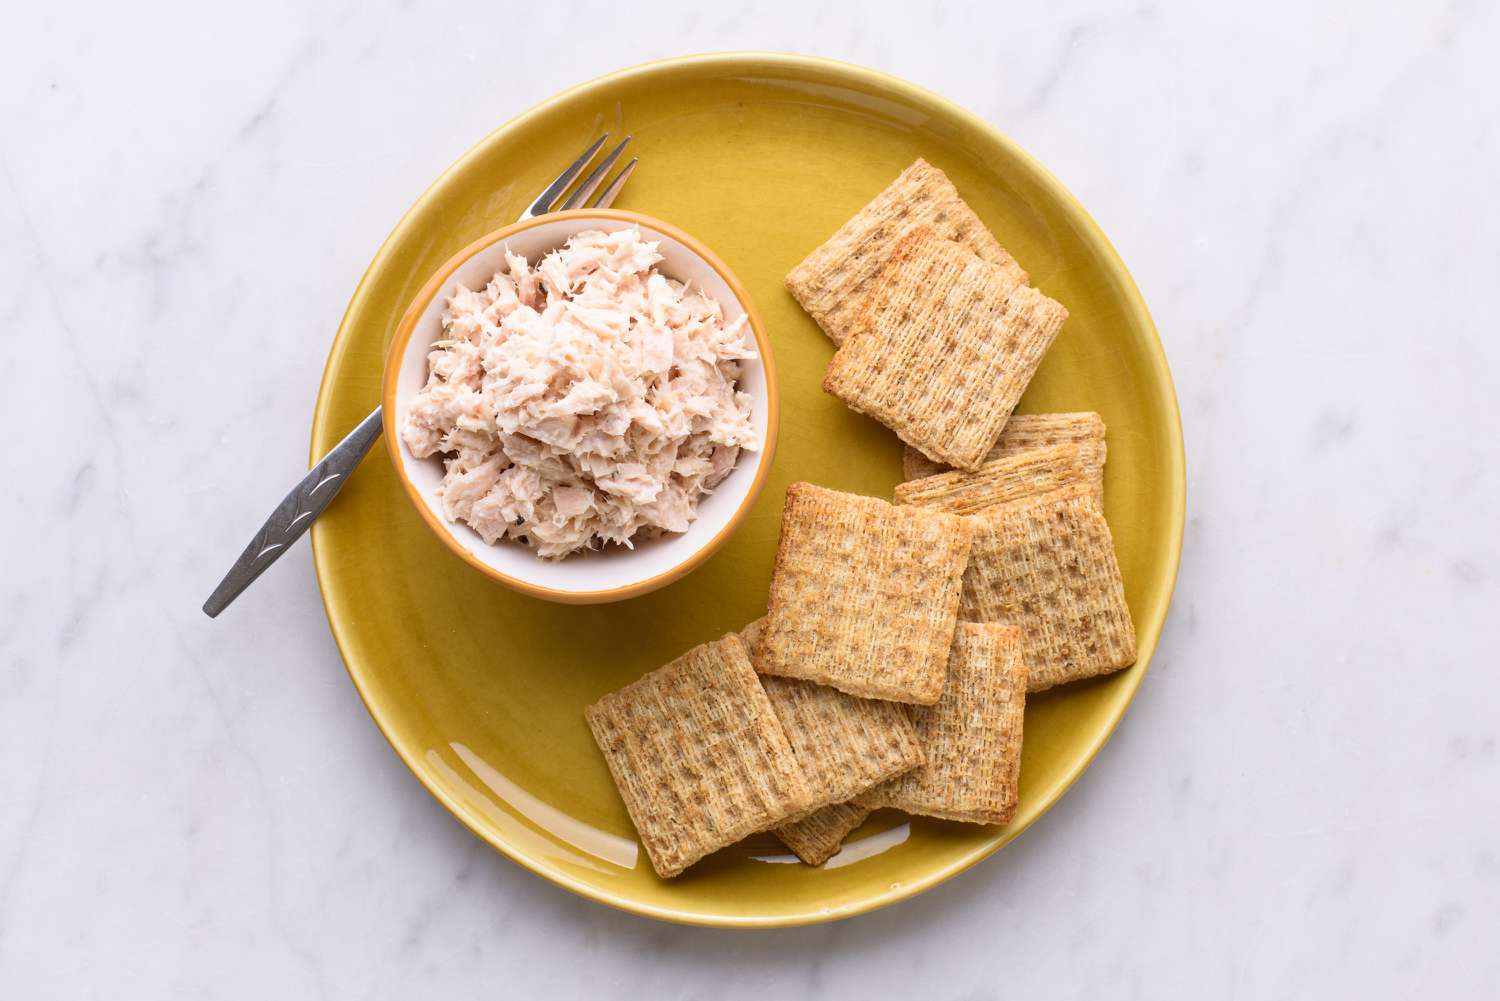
(295,514)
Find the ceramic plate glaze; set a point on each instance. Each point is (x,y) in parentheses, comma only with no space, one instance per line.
(481,690)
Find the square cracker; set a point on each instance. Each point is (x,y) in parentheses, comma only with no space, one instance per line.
(698,755)
(1024,432)
(1043,559)
(1000,481)
(864,595)
(815,838)
(831,282)
(972,737)
(844,744)
(1048,564)
(945,345)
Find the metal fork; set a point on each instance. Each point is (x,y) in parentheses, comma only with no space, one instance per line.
(297,511)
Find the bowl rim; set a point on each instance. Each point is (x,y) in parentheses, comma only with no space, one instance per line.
(396,351)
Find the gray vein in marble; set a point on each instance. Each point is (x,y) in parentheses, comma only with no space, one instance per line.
(1466,572)
(1307,213)
(25,833)
(44,275)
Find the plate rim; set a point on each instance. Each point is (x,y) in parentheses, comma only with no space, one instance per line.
(1176,478)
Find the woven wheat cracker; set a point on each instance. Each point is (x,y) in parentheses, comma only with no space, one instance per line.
(815,838)
(1048,564)
(843,743)
(944,347)
(1024,432)
(698,755)
(1043,559)
(972,737)
(831,282)
(864,595)
(1001,481)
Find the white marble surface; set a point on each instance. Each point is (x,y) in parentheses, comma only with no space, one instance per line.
(1304,800)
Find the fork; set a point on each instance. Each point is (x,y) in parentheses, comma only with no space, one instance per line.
(297,511)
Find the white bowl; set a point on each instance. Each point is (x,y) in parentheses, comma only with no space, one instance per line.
(615,572)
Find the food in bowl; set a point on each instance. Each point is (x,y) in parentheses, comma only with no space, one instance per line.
(583,401)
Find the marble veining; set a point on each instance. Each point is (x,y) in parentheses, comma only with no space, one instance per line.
(1303,802)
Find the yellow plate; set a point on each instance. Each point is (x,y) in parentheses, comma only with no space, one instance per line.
(481,690)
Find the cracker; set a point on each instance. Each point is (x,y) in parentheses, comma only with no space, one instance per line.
(1000,481)
(750,635)
(1047,563)
(698,755)
(1024,432)
(864,595)
(945,345)
(815,838)
(972,736)
(844,744)
(831,282)
(1043,558)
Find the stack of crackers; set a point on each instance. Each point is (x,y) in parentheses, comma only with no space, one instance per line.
(938,331)
(900,640)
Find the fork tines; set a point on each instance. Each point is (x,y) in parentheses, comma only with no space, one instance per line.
(554,191)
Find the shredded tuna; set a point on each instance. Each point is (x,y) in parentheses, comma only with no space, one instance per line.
(584,401)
